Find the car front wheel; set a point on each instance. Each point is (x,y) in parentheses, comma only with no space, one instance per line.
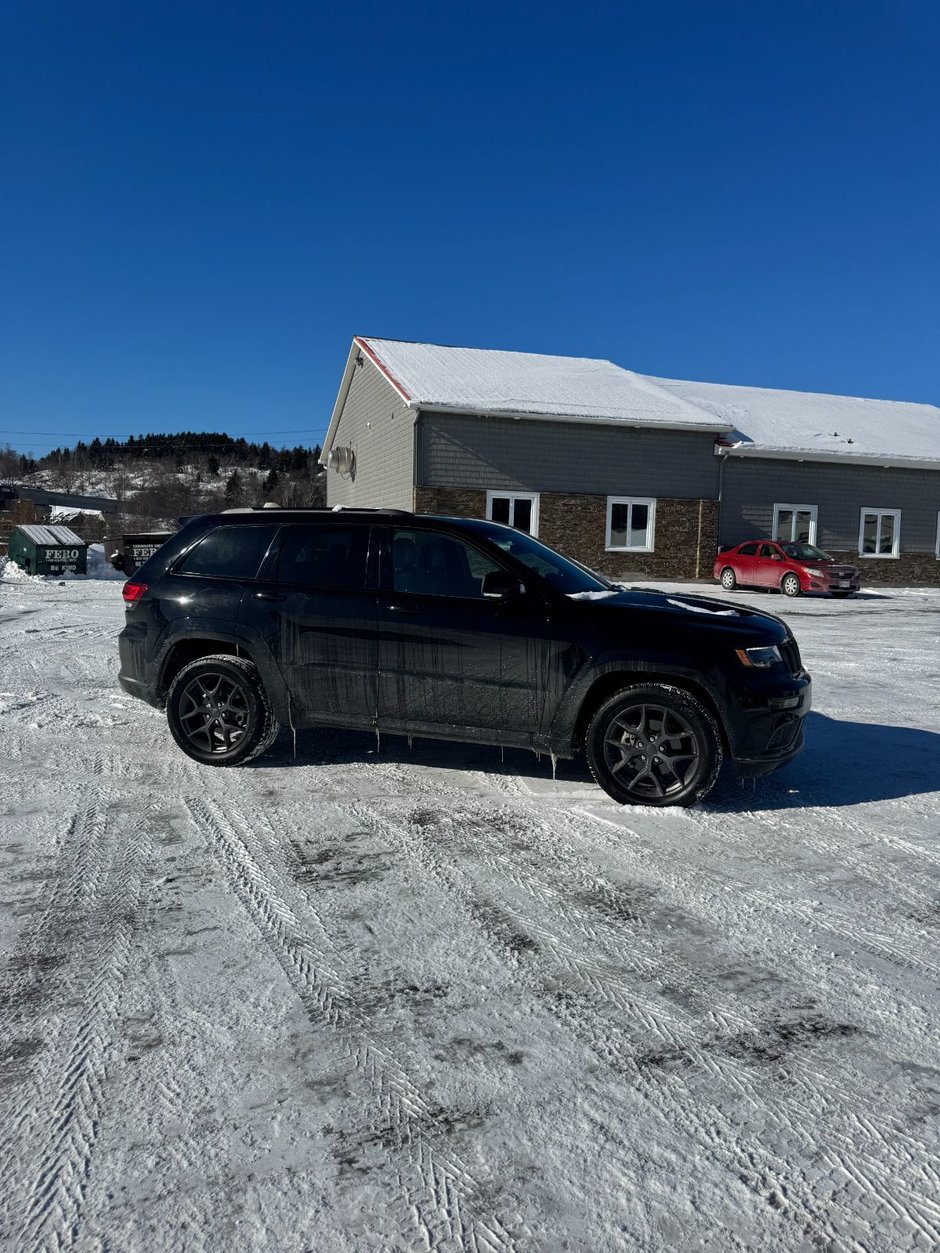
(790,585)
(654,745)
(729,580)
(218,711)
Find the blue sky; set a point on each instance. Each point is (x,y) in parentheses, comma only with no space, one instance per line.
(203,202)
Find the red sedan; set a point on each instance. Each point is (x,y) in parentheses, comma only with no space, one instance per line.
(794,568)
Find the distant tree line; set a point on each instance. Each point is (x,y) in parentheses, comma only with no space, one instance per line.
(182,449)
(157,478)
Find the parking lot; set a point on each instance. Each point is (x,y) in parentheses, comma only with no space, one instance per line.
(366,994)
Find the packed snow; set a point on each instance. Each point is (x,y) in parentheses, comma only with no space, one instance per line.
(426,997)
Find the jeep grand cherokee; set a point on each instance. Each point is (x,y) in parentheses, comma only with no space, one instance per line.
(457,629)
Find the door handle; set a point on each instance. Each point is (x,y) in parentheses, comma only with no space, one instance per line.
(268,596)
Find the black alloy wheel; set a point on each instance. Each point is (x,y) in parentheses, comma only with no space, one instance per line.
(729,580)
(654,745)
(218,711)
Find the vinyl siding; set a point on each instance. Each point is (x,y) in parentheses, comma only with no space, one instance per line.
(751,487)
(384,450)
(457,451)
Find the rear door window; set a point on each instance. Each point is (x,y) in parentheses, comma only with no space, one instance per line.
(229,552)
(324,556)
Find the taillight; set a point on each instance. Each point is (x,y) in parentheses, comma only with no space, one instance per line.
(132,592)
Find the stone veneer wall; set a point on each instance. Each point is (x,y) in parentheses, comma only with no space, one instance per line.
(450,500)
(577,527)
(907,570)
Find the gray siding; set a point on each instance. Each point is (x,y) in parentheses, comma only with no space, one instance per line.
(528,455)
(384,450)
(751,487)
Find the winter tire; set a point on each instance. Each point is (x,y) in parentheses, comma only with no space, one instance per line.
(790,585)
(654,745)
(729,580)
(219,712)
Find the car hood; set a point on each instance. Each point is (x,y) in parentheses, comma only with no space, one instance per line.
(695,611)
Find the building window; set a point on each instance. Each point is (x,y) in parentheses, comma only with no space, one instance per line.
(879,533)
(795,524)
(518,509)
(631,523)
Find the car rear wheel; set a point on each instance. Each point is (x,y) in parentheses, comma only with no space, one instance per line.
(654,745)
(729,580)
(219,712)
(790,585)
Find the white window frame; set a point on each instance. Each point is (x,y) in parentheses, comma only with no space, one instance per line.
(512,497)
(879,514)
(812,510)
(650,545)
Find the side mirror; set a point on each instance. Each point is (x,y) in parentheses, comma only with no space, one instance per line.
(775,557)
(498,584)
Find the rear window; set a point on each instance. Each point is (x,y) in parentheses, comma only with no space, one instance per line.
(324,556)
(229,552)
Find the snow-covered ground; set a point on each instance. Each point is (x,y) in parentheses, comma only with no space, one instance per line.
(393,998)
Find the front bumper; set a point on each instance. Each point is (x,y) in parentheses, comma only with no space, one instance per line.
(769,727)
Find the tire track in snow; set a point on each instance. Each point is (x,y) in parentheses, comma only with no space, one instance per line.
(444,1200)
(58,1124)
(762,1169)
(887,1142)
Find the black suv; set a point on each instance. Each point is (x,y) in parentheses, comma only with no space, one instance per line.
(456,629)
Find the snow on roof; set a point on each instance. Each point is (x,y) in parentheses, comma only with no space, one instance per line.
(525,384)
(55,535)
(755,421)
(782,423)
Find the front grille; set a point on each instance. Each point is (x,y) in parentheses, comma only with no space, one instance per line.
(791,656)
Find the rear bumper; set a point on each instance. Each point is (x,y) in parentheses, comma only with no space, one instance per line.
(134,687)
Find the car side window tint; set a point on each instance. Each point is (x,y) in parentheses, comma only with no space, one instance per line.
(433,564)
(747,550)
(324,556)
(229,552)
(766,550)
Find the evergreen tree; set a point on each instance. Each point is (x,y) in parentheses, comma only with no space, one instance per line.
(233,489)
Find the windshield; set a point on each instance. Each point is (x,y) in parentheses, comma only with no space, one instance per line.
(805,552)
(560,573)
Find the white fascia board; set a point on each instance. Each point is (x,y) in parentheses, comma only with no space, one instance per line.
(842,458)
(585,419)
(340,401)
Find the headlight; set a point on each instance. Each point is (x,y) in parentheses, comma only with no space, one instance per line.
(816,574)
(769,655)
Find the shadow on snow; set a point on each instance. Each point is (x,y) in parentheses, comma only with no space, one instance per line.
(843,763)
